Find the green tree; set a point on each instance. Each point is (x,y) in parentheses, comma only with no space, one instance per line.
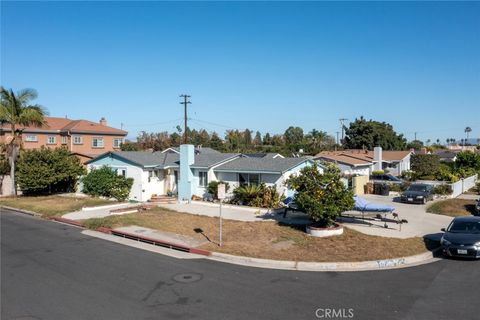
(368,134)
(415,144)
(129,146)
(247,138)
(258,139)
(467,132)
(425,165)
(216,142)
(293,137)
(267,139)
(16,110)
(468,159)
(47,171)
(107,183)
(323,196)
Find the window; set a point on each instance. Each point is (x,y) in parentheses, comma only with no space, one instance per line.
(31,138)
(97,142)
(77,140)
(203,176)
(117,143)
(248,179)
(51,140)
(64,139)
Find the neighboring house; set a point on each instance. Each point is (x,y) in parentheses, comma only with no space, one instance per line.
(447,155)
(84,138)
(364,162)
(157,173)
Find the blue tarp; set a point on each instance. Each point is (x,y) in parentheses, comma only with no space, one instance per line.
(362,204)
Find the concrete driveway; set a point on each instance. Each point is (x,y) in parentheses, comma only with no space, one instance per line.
(420,223)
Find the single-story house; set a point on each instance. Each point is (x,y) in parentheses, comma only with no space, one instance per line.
(447,155)
(160,172)
(364,162)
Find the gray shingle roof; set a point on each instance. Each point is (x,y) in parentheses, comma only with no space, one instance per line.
(206,160)
(277,165)
(144,158)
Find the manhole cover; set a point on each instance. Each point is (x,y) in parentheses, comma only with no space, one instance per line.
(187,277)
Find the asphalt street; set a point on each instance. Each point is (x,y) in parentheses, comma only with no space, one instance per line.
(52,271)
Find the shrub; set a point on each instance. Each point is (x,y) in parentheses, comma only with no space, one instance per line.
(257,196)
(443,189)
(47,171)
(399,187)
(425,165)
(107,183)
(409,175)
(212,188)
(378,172)
(322,196)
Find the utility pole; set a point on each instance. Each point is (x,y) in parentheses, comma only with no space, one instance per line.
(342,124)
(185,102)
(415,136)
(337,137)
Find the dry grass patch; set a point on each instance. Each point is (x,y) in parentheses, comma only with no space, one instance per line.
(453,207)
(52,206)
(268,239)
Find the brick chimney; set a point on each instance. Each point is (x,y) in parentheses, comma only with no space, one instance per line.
(103,121)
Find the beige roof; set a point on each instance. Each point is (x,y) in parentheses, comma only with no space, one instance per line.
(360,157)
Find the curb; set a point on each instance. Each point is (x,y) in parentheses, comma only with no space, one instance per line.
(375,265)
(156,242)
(30,213)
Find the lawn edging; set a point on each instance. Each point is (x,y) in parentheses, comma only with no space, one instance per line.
(386,264)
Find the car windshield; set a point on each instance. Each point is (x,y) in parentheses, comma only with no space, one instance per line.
(465,227)
(417,188)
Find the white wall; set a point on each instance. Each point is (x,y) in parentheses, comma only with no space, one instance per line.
(154,185)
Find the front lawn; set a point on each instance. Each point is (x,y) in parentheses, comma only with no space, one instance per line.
(268,240)
(52,206)
(453,207)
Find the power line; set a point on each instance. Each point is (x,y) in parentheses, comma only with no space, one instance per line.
(151,124)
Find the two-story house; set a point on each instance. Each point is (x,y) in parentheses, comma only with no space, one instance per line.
(84,138)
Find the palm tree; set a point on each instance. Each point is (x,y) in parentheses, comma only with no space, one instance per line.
(16,110)
(467,131)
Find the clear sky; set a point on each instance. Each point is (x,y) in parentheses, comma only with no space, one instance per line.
(261,65)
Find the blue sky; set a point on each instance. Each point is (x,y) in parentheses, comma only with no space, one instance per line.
(261,65)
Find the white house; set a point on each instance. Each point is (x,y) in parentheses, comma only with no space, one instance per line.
(157,173)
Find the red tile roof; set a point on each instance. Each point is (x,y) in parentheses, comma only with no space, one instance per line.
(73,126)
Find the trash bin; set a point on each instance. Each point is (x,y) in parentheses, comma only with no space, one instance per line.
(377,188)
(385,190)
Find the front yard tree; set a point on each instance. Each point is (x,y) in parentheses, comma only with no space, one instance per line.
(322,196)
(47,171)
(16,110)
(368,134)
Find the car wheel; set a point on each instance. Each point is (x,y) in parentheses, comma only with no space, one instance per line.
(424,201)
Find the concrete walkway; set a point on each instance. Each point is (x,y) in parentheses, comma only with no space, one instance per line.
(228,211)
(97,212)
(469,196)
(420,223)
